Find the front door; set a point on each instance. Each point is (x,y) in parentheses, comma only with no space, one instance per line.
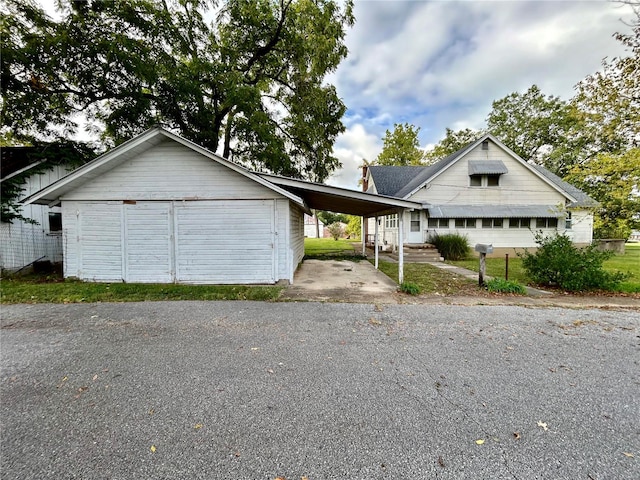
(415,227)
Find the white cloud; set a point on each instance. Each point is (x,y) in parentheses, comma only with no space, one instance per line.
(442,64)
(354,145)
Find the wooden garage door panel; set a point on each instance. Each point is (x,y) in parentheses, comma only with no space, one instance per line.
(225,242)
(100,242)
(149,243)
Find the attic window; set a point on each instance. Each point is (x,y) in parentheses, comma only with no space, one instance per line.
(485,145)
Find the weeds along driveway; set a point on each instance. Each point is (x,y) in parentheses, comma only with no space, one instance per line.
(318,390)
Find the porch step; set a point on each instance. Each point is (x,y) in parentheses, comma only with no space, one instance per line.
(420,252)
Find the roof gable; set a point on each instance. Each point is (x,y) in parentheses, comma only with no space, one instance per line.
(417,177)
(130,150)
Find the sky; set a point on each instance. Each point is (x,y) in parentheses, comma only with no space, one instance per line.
(439,64)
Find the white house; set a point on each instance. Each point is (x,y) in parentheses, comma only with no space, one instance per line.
(22,243)
(485,192)
(162,209)
(310,230)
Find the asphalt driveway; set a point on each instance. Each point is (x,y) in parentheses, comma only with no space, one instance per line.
(252,390)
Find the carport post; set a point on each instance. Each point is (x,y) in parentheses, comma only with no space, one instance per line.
(375,245)
(400,247)
(364,240)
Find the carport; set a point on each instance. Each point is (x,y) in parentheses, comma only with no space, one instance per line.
(341,200)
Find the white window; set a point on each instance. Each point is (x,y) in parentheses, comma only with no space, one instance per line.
(546,223)
(484,180)
(519,222)
(391,221)
(438,223)
(415,221)
(567,221)
(492,223)
(465,223)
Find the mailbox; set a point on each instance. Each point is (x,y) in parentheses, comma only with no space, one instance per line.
(484,248)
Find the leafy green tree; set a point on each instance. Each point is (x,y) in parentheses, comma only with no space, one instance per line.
(43,156)
(354,226)
(609,99)
(538,128)
(451,143)
(401,147)
(329,217)
(250,85)
(614,180)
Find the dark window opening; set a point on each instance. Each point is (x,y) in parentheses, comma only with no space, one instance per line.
(55,221)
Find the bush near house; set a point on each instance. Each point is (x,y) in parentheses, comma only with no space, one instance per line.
(335,230)
(559,263)
(451,246)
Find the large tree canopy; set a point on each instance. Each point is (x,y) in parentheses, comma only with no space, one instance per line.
(242,77)
(451,143)
(401,146)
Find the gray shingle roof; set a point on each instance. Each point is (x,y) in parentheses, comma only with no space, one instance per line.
(401,181)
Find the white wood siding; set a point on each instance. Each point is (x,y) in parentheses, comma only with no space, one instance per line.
(225,242)
(296,239)
(519,186)
(170,171)
(148,242)
(99,233)
(22,243)
(581,227)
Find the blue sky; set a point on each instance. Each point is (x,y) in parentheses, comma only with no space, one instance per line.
(441,64)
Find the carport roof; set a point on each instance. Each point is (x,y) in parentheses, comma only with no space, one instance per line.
(341,200)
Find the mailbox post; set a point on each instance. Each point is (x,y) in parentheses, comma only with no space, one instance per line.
(483,249)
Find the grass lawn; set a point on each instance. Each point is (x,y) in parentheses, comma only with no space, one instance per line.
(627,263)
(38,289)
(327,247)
(431,279)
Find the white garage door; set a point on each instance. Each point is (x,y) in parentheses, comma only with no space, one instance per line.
(149,246)
(225,241)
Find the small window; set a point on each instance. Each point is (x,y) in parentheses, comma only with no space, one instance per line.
(485,145)
(438,223)
(519,222)
(546,223)
(491,223)
(475,180)
(493,180)
(55,222)
(465,223)
(391,221)
(567,221)
(415,221)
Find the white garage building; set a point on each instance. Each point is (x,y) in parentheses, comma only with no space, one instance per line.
(161,209)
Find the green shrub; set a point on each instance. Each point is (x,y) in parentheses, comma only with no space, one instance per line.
(559,263)
(335,230)
(451,246)
(410,288)
(505,286)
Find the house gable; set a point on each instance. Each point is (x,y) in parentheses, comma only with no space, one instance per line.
(139,147)
(170,171)
(520,184)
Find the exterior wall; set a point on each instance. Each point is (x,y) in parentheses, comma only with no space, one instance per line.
(296,239)
(170,171)
(520,186)
(310,227)
(22,243)
(581,232)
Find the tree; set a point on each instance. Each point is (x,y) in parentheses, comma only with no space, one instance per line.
(401,147)
(538,128)
(609,100)
(451,143)
(42,157)
(613,180)
(329,217)
(249,85)
(354,226)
